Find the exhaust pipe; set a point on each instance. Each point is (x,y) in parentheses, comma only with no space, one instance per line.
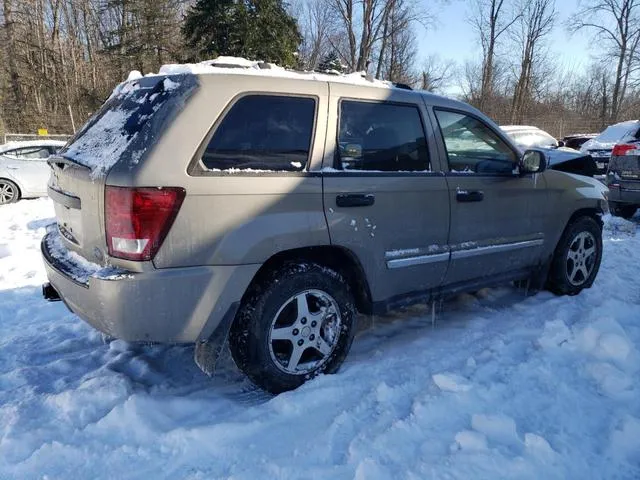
(50,293)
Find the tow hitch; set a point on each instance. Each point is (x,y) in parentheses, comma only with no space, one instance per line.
(49,293)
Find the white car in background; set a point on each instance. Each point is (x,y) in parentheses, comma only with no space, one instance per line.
(24,172)
(530,137)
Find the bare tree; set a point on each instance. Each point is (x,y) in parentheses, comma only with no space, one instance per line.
(616,24)
(397,49)
(316,23)
(491,19)
(364,28)
(533,25)
(436,74)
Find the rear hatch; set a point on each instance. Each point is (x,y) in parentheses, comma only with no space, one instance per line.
(626,167)
(125,129)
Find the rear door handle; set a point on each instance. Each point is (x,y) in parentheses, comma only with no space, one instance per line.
(465,196)
(355,200)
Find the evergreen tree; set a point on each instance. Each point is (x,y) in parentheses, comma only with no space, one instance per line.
(254,29)
(331,63)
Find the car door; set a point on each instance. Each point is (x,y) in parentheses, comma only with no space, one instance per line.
(385,198)
(496,215)
(29,166)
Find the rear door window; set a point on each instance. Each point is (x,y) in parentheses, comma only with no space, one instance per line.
(381,137)
(263,132)
(29,153)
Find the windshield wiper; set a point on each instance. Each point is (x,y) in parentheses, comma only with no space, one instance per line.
(66,160)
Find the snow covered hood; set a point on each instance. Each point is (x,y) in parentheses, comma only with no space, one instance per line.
(556,156)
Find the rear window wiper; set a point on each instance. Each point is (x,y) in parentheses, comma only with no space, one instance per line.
(66,160)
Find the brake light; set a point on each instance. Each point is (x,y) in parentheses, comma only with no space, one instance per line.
(623,149)
(138,219)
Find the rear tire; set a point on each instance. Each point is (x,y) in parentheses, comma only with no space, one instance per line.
(577,258)
(9,192)
(295,323)
(623,210)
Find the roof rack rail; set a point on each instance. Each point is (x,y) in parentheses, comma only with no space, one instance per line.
(404,86)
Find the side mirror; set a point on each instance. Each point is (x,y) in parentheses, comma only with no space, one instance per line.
(533,161)
(560,144)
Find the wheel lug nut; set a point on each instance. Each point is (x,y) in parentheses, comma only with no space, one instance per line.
(312,337)
(303,321)
(314,323)
(300,342)
(296,331)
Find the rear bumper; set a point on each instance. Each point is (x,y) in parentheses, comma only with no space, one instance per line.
(625,195)
(177,305)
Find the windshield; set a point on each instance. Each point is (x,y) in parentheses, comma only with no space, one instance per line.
(127,124)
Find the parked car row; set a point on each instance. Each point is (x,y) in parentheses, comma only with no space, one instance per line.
(559,157)
(613,155)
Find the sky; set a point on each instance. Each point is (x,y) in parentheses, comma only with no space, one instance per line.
(451,37)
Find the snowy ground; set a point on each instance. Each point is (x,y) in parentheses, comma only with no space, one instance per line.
(503,387)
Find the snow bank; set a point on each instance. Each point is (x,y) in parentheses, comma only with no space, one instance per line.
(618,225)
(506,386)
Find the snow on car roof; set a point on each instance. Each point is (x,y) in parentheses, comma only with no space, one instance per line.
(242,66)
(513,128)
(31,143)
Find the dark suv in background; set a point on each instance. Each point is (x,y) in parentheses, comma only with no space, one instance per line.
(576,140)
(623,179)
(600,148)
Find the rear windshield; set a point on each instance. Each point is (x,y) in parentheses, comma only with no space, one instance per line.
(128,123)
(615,133)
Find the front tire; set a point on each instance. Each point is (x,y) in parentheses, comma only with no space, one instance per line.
(9,192)
(294,324)
(577,258)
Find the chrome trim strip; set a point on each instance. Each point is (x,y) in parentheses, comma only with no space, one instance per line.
(420,260)
(505,247)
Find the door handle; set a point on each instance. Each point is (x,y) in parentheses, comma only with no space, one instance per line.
(355,200)
(465,196)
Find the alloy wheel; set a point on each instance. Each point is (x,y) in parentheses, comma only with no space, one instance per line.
(581,258)
(305,332)
(7,192)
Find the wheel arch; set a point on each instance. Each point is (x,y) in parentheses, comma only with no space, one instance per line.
(592,212)
(337,258)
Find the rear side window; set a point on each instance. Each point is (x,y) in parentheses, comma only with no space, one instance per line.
(29,153)
(381,137)
(263,132)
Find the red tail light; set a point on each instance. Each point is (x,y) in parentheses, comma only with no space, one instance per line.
(622,149)
(138,219)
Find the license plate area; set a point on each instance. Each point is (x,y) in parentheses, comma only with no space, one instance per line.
(70,224)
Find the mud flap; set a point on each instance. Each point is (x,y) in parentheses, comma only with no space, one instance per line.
(207,352)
